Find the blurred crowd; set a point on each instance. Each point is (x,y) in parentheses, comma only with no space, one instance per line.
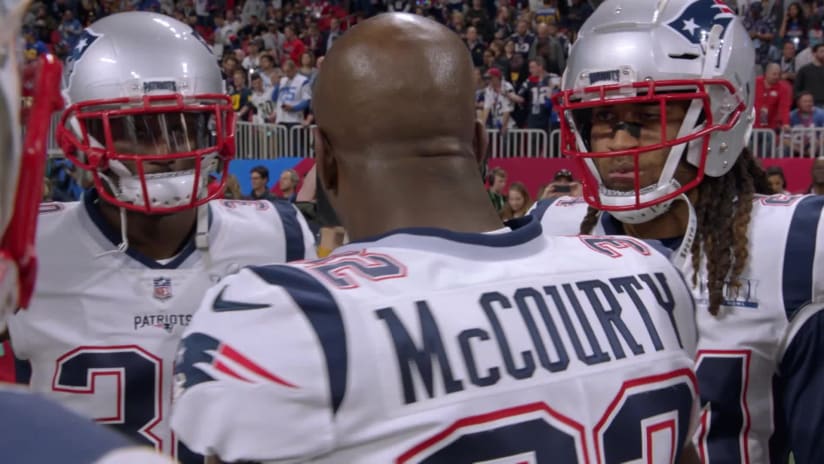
(270,50)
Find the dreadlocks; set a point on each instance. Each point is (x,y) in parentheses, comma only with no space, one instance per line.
(722,210)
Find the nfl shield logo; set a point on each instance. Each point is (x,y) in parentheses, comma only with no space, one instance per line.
(162,288)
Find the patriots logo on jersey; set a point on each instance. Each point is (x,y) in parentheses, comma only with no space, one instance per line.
(162,288)
(698,18)
(202,358)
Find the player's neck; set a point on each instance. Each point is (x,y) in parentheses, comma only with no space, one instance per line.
(462,209)
(671,224)
(154,236)
(818,189)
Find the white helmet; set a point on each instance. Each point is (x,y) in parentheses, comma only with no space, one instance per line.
(143,91)
(23,159)
(660,51)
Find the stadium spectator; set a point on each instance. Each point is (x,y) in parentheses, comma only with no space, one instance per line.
(773,98)
(70,29)
(550,48)
(762,29)
(293,97)
(547,13)
(252,60)
(776,179)
(787,62)
(578,13)
(497,182)
(503,23)
(307,67)
(478,17)
(260,100)
(498,102)
(230,64)
(260,184)
(563,184)
(288,184)
(293,47)
(810,78)
(517,201)
(231,191)
(805,116)
(331,35)
(535,94)
(475,45)
(817,186)
(268,71)
(794,26)
(273,39)
(240,95)
(313,40)
(523,39)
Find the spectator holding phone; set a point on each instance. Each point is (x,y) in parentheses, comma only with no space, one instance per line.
(563,184)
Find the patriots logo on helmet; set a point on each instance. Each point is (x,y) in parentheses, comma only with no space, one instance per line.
(87,38)
(698,18)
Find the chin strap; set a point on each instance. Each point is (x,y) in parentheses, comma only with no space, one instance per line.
(679,258)
(124,239)
(202,228)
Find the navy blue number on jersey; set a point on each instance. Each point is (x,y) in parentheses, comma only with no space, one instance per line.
(345,270)
(614,246)
(537,433)
(722,380)
(137,373)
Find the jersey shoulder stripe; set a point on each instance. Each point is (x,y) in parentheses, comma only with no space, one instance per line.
(540,208)
(292,230)
(800,253)
(323,313)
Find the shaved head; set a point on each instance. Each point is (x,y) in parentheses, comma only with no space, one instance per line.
(392,78)
(396,132)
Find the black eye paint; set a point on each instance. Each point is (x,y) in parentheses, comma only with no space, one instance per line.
(634,129)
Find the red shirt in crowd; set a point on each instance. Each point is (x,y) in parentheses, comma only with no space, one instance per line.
(776,99)
(294,48)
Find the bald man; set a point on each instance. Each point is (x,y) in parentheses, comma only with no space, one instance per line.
(773,98)
(439,335)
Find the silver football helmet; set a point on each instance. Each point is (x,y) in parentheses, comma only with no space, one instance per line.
(147,113)
(659,52)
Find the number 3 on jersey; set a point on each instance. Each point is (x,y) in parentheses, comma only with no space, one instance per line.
(136,377)
(646,422)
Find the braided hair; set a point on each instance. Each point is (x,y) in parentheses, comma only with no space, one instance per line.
(722,208)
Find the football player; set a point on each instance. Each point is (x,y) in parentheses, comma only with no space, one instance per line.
(122,270)
(33,429)
(657,106)
(439,335)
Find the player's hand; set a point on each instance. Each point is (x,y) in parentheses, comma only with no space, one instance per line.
(287,107)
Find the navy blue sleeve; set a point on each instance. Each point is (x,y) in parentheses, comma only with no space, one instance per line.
(801,254)
(35,429)
(292,231)
(802,376)
(323,313)
(540,208)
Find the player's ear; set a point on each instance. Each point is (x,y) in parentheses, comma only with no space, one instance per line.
(327,165)
(479,146)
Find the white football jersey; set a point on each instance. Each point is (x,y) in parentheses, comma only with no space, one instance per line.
(428,346)
(758,359)
(102,329)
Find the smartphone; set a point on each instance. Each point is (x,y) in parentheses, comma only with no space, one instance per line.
(562,188)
